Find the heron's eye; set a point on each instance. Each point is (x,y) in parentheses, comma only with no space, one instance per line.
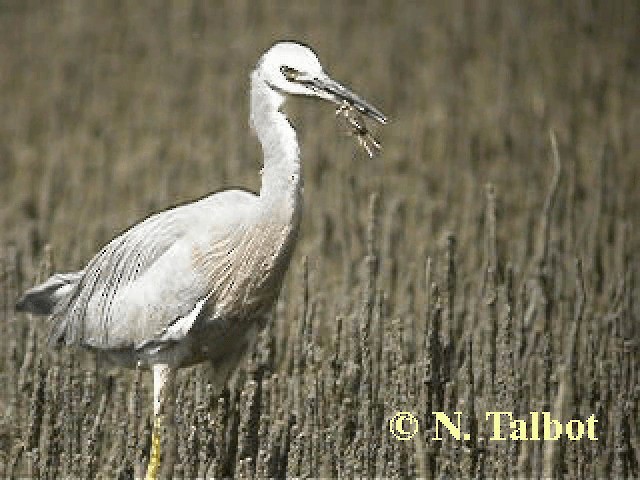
(289,73)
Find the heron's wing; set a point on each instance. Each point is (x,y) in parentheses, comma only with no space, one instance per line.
(112,306)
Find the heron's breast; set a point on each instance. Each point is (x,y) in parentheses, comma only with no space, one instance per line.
(245,270)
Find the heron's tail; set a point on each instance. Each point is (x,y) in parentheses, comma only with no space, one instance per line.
(43,299)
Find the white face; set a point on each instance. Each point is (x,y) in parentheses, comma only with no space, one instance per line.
(282,62)
(292,68)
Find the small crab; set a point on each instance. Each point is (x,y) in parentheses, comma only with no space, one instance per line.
(357,127)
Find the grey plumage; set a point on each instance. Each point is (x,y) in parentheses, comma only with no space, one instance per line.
(45,298)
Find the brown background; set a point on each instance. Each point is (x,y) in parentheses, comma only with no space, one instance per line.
(110,111)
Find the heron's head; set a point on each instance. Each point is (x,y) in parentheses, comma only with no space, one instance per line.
(291,68)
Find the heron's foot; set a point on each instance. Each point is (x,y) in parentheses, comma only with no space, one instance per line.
(154,457)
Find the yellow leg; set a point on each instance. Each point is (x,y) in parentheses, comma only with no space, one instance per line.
(154,457)
(163,382)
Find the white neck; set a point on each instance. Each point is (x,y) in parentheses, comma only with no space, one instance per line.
(281,176)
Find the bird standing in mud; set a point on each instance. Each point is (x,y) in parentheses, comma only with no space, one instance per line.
(193,283)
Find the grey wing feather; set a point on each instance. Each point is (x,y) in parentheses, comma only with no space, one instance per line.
(46,298)
(117,264)
(175,331)
(140,266)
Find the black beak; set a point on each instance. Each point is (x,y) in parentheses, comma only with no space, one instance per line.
(333,91)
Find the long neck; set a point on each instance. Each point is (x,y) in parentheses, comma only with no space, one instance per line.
(281,176)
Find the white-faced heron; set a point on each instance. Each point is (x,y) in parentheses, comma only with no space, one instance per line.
(192,283)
